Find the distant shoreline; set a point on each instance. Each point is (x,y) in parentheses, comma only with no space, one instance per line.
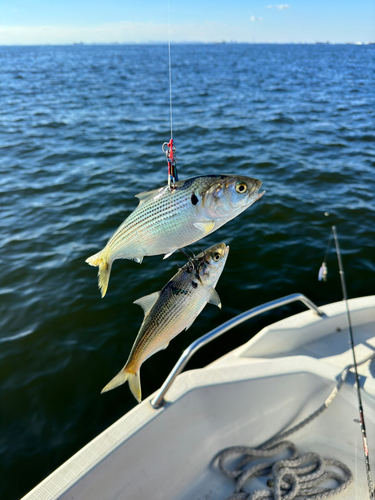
(93,44)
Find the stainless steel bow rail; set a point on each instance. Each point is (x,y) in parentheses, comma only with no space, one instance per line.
(159,401)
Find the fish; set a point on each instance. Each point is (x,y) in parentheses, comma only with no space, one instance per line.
(172,310)
(167,219)
(323,272)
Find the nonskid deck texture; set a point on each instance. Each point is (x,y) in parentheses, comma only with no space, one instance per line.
(265,386)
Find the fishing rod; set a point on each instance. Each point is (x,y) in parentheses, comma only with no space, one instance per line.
(323,276)
(168,148)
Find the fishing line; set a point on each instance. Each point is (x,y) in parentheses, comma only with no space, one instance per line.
(323,271)
(328,246)
(186,254)
(168,147)
(351,340)
(190,250)
(170,71)
(193,263)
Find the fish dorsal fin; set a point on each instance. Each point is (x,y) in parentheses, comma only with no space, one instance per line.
(213,298)
(206,227)
(147,301)
(147,195)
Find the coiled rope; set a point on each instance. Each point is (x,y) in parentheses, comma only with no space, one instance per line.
(295,477)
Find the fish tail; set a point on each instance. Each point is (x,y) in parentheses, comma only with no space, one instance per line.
(134,383)
(100,260)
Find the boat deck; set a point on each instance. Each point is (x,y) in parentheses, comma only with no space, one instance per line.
(267,385)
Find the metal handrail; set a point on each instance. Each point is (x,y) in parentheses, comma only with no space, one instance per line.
(159,401)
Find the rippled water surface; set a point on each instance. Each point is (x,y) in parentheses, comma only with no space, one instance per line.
(81,129)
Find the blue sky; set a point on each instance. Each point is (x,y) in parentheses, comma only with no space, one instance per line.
(94,21)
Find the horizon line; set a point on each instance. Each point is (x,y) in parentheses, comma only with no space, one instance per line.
(150,42)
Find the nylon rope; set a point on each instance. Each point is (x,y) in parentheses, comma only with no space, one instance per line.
(292,478)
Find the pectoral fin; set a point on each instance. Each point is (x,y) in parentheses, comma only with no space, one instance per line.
(214,298)
(205,227)
(147,301)
(169,254)
(138,260)
(189,325)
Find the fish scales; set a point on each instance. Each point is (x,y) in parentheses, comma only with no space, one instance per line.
(153,218)
(168,219)
(172,310)
(180,304)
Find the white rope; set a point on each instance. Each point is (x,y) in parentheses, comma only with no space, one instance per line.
(296,477)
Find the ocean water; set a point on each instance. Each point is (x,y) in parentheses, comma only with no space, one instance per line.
(81,129)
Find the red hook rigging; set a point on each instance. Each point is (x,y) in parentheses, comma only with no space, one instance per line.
(170,152)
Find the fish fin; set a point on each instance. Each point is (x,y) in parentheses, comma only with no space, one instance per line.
(147,195)
(169,254)
(147,301)
(164,346)
(138,260)
(189,325)
(134,380)
(205,227)
(213,298)
(135,385)
(100,260)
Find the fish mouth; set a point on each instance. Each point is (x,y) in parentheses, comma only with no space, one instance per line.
(257,196)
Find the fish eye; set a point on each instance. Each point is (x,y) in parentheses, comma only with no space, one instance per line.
(216,257)
(241,187)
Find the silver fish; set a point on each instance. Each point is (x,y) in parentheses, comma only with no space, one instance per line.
(172,310)
(168,219)
(323,272)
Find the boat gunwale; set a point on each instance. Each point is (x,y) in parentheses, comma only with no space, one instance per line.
(159,400)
